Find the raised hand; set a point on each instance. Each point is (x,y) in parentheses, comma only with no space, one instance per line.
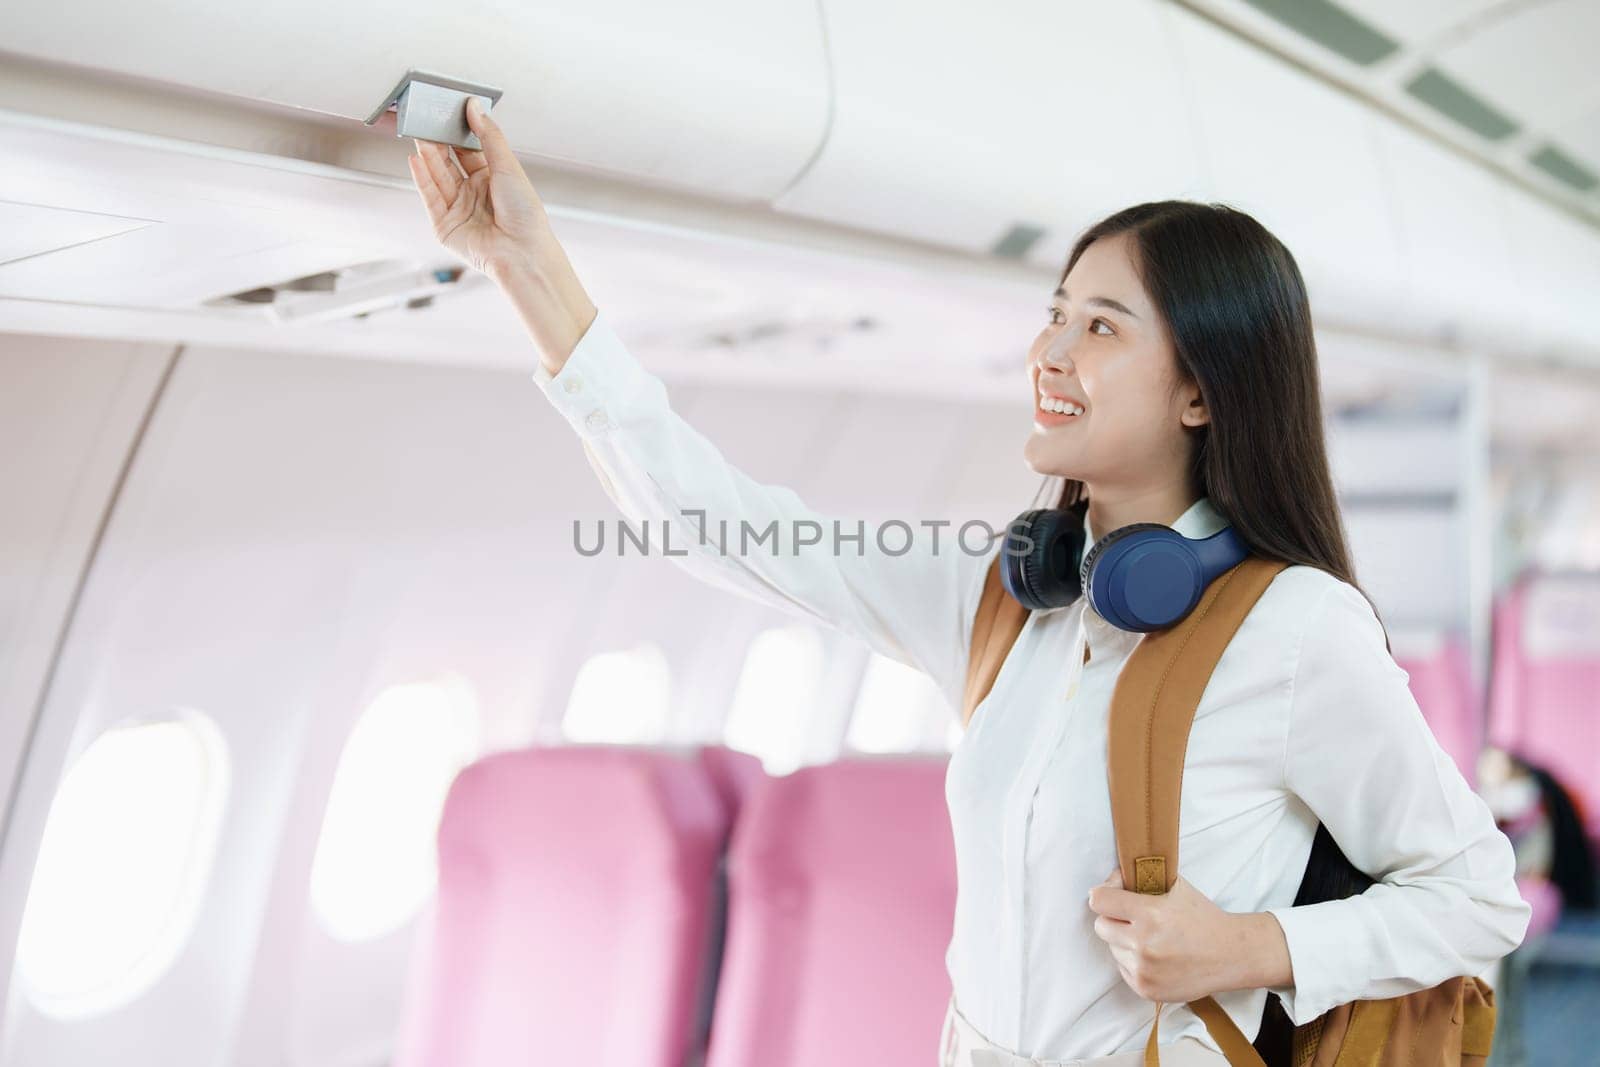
(488,213)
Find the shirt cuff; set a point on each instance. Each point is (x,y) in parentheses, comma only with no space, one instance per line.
(589,383)
(1322,938)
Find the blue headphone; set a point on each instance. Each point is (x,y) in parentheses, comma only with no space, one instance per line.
(1141,577)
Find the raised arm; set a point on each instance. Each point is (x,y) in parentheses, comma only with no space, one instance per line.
(488,213)
(1363,759)
(760,540)
(910,598)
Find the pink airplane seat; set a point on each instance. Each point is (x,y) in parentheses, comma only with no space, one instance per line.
(1442,685)
(841,901)
(735,775)
(1545,697)
(573,917)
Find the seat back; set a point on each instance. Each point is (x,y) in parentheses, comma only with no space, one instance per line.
(842,898)
(573,917)
(734,775)
(1442,684)
(1545,696)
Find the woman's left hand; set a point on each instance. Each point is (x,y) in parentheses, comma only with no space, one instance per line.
(1179,946)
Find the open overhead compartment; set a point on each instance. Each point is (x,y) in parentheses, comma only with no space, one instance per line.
(723,97)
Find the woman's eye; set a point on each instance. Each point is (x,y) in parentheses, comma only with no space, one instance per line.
(1059,317)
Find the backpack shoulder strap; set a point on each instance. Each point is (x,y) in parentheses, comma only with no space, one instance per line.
(995,626)
(1152,709)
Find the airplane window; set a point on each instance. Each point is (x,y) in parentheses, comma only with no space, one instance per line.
(620,698)
(375,862)
(898,709)
(127,848)
(775,700)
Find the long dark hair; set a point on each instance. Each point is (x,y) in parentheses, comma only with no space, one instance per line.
(1236,309)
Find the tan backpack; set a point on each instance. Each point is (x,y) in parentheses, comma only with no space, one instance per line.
(1152,709)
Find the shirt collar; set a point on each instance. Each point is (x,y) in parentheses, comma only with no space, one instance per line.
(1200,520)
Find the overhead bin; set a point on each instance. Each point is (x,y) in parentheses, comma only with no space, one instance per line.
(1488,264)
(1451,218)
(1302,158)
(727,98)
(1550,278)
(1001,135)
(1007,132)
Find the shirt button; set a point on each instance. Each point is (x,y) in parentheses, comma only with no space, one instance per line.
(572,384)
(596,420)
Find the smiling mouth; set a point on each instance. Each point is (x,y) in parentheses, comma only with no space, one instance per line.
(1050,412)
(1058,406)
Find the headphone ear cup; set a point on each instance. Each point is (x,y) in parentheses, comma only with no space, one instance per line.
(1043,577)
(1098,552)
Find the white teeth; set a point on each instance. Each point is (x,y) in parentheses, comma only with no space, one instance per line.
(1058,405)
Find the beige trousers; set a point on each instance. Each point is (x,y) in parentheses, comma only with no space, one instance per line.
(961,1045)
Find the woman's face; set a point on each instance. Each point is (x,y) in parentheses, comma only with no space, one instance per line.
(1105,356)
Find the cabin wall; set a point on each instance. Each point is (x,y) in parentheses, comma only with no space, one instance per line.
(71,412)
(297,533)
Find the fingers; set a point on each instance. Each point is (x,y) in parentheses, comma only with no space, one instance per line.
(1116,903)
(496,149)
(423,180)
(442,169)
(471,160)
(1114,932)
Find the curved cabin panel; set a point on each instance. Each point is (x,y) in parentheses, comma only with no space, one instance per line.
(726,98)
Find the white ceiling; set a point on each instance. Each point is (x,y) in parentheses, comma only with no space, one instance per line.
(1421,20)
(1538,62)
(1533,60)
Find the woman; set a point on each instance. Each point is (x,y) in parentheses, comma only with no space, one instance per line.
(1174,381)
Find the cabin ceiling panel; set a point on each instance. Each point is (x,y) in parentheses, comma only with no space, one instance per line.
(725,97)
(1453,233)
(1302,158)
(1537,61)
(1509,84)
(32,229)
(954,129)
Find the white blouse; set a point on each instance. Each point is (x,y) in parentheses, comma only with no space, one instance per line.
(1306,717)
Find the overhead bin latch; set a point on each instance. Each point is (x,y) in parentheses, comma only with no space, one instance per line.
(433,107)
